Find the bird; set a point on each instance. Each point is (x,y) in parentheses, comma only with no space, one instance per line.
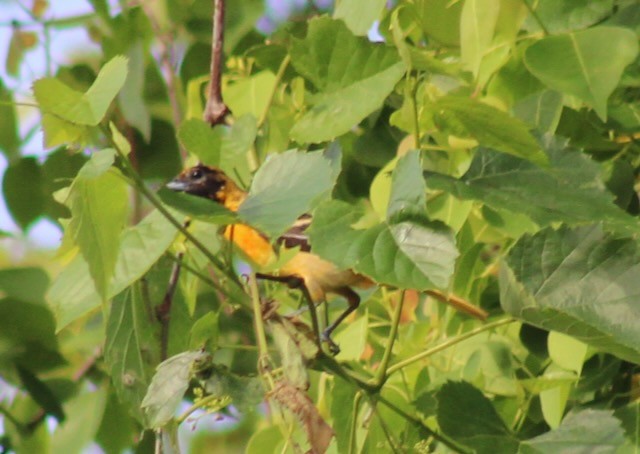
(314,276)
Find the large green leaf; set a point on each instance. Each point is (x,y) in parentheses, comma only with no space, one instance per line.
(84,414)
(560,16)
(568,190)
(359,15)
(582,431)
(477,26)
(88,108)
(353,76)
(439,19)
(99,208)
(27,335)
(586,64)
(466,415)
(26,202)
(131,348)
(73,294)
(580,282)
(408,189)
(223,146)
(409,253)
(491,127)
(25,283)
(286,186)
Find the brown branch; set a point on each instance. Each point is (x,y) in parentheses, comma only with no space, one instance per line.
(163,311)
(216,111)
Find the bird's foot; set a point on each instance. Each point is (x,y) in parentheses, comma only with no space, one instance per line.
(333,347)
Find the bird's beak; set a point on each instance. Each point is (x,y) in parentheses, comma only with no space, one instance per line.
(177,185)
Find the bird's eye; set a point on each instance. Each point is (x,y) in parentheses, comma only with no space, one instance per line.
(195,174)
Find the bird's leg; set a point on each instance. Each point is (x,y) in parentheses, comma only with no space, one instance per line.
(354,301)
(297,282)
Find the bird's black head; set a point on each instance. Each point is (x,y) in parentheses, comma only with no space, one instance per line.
(203,181)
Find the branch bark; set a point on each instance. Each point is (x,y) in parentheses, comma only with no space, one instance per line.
(216,111)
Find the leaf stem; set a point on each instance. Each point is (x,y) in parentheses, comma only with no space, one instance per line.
(381,373)
(353,442)
(445,440)
(535,16)
(258,323)
(279,76)
(414,108)
(438,348)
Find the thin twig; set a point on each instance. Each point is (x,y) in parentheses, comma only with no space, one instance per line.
(166,38)
(163,311)
(216,111)
(425,354)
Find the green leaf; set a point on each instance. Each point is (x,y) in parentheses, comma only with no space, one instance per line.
(267,439)
(352,338)
(354,78)
(586,64)
(579,282)
(582,431)
(244,392)
(342,415)
(491,127)
(26,202)
(118,430)
(629,415)
(408,189)
(27,335)
(411,253)
(88,108)
(540,110)
(73,293)
(41,393)
(477,26)
(568,190)
(466,415)
(274,201)
(168,386)
(199,139)
(567,352)
(98,203)
(199,208)
(9,139)
(205,332)
(439,19)
(560,16)
(27,284)
(223,146)
(131,100)
(359,15)
(131,348)
(84,414)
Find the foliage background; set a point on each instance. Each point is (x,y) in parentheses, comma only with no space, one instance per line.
(485,151)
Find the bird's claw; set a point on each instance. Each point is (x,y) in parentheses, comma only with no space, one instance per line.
(334,349)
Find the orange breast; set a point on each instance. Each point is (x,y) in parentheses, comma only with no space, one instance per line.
(255,246)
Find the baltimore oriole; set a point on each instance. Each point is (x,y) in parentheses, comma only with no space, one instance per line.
(313,275)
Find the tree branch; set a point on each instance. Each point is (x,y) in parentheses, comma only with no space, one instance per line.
(216,111)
